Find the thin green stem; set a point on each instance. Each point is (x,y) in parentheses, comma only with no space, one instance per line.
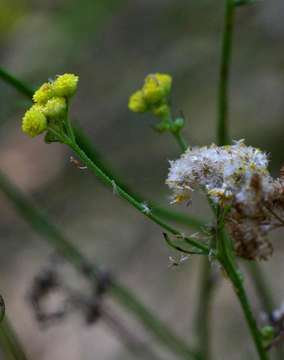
(180,140)
(226,259)
(16,83)
(177,247)
(225,252)
(10,343)
(89,149)
(165,213)
(223,96)
(38,220)
(140,206)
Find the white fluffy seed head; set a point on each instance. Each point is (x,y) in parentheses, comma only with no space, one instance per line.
(223,172)
(234,176)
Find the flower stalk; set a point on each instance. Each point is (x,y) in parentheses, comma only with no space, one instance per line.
(130,198)
(225,257)
(226,56)
(225,253)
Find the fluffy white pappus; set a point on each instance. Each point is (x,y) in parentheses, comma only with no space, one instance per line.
(223,172)
(235,176)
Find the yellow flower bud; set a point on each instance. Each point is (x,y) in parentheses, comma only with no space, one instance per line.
(165,82)
(156,87)
(43,94)
(152,91)
(34,121)
(161,111)
(55,107)
(137,103)
(65,85)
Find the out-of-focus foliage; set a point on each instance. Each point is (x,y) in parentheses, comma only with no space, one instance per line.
(11,11)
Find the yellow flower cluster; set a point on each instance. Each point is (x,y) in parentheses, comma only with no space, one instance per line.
(50,102)
(153,96)
(34,121)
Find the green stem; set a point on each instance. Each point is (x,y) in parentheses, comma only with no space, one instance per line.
(10,343)
(222,125)
(180,140)
(16,83)
(122,295)
(226,259)
(165,213)
(225,250)
(140,206)
(89,149)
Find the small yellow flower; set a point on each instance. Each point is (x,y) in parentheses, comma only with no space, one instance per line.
(34,121)
(165,82)
(156,87)
(137,103)
(162,111)
(65,85)
(43,94)
(55,107)
(152,91)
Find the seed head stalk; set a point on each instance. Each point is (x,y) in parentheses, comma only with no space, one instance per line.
(225,253)
(226,56)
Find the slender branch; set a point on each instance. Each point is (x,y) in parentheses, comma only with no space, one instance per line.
(180,140)
(16,83)
(222,139)
(89,149)
(177,247)
(226,259)
(223,107)
(165,213)
(130,197)
(38,220)
(10,343)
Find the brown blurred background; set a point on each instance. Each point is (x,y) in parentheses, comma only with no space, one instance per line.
(112,45)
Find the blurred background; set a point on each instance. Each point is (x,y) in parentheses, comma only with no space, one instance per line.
(112,45)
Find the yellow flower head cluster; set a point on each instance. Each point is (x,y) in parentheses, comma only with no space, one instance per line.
(55,107)
(153,96)
(65,85)
(50,102)
(34,121)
